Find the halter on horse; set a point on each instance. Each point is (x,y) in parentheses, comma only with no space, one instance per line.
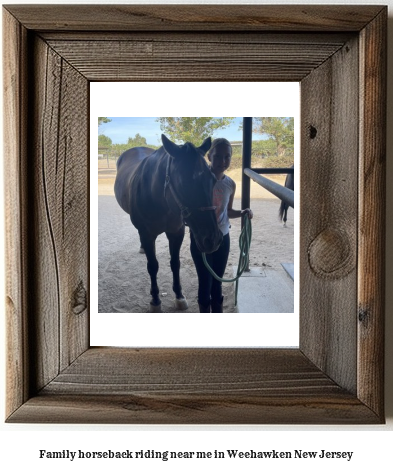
(162,190)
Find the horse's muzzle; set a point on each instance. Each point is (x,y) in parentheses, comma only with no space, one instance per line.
(210,243)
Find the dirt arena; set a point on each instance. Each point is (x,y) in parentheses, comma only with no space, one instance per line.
(123,281)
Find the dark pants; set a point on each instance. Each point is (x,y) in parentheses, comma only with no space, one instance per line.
(210,288)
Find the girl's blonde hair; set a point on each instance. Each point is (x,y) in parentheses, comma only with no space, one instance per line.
(217,142)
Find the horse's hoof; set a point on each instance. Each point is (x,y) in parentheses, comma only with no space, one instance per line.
(181,304)
(155,308)
(141,250)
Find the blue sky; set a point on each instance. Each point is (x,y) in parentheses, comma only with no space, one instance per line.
(121,128)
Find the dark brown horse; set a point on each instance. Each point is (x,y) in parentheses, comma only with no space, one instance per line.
(283,211)
(162,190)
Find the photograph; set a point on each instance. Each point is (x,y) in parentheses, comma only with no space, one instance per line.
(172,233)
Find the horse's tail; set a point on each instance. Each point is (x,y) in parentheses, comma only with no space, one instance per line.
(282,209)
(289,183)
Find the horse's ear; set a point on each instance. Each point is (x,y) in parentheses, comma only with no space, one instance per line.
(205,147)
(170,147)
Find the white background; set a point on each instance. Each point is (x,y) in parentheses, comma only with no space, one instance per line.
(19,444)
(206,99)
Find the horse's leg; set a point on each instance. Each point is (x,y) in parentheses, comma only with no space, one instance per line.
(175,241)
(141,249)
(148,244)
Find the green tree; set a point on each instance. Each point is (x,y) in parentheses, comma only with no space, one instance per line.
(279,129)
(104,141)
(192,129)
(264,148)
(118,148)
(138,140)
(102,120)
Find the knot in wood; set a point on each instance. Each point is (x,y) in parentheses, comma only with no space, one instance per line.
(330,254)
(313,132)
(364,316)
(80,299)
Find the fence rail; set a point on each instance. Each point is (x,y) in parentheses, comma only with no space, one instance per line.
(279,191)
(273,170)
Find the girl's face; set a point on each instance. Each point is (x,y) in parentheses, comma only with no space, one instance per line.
(220,158)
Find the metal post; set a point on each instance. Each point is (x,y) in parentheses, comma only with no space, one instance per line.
(246,161)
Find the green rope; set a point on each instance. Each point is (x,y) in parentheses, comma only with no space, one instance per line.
(244,245)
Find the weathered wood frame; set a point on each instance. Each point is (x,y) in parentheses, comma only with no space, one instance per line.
(338,53)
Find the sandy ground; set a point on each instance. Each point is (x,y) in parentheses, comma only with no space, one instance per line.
(123,281)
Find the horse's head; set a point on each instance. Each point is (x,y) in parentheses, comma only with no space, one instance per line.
(191,189)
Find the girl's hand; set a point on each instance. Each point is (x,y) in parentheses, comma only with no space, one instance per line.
(247,211)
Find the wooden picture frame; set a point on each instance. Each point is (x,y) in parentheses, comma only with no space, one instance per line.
(338,54)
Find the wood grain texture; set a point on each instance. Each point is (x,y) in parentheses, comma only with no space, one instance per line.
(372,191)
(52,374)
(221,409)
(185,371)
(328,249)
(195,17)
(159,59)
(193,386)
(201,37)
(66,175)
(60,170)
(14,148)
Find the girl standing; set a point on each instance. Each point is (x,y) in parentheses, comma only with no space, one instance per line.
(210,297)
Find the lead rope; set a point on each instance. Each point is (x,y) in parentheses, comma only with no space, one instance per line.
(244,245)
